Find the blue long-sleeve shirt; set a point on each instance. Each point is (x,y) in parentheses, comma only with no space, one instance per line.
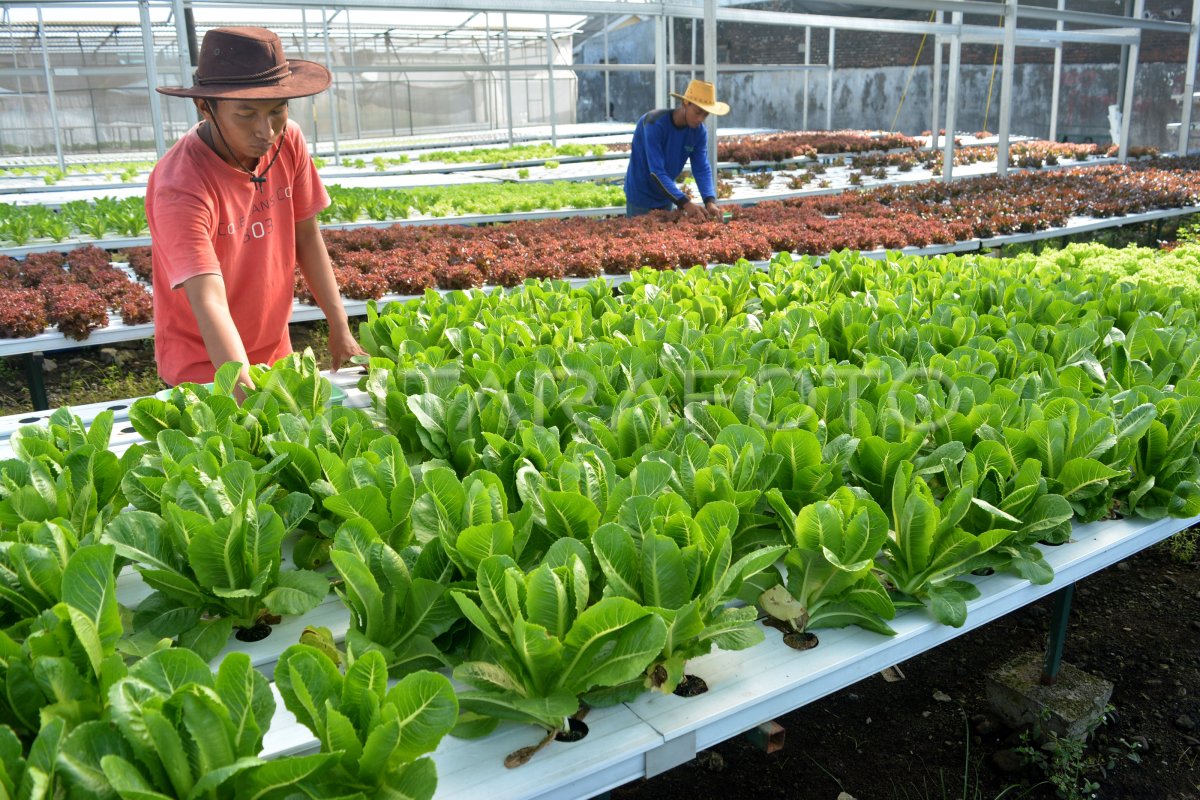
(660,149)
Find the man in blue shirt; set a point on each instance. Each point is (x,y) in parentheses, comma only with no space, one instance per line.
(666,139)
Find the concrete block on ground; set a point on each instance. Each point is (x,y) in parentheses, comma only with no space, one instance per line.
(1068,707)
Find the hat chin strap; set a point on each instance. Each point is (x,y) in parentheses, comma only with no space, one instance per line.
(259,179)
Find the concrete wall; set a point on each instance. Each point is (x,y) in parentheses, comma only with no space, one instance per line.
(868,97)
(631,94)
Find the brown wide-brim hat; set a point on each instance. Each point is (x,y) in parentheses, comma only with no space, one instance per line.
(249,64)
(703,94)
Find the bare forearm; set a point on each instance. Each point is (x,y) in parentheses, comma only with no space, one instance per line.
(206,295)
(315,267)
(314,263)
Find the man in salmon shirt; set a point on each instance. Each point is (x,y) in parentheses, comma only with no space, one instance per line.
(232,209)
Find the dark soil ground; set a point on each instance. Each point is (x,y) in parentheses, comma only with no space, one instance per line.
(933,735)
(91,374)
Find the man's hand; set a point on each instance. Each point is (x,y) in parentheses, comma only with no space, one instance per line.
(711,209)
(693,211)
(342,346)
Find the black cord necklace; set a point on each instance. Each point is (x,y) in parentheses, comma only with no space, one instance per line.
(257,180)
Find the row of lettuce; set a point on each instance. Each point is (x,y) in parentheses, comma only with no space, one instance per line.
(561,494)
(109,216)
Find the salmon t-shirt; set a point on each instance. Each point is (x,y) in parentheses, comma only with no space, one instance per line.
(206,217)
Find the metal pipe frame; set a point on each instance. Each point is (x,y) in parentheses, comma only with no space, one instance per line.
(508,98)
(550,83)
(829,83)
(710,75)
(1006,86)
(660,62)
(807,63)
(1189,81)
(1123,30)
(49,76)
(951,104)
(1056,81)
(333,104)
(1130,83)
(935,101)
(695,10)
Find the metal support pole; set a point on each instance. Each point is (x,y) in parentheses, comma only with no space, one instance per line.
(1008,62)
(607,93)
(951,99)
(1060,615)
(333,103)
(37,386)
(409,104)
(807,62)
(1126,10)
(1056,85)
(935,102)
(660,62)
(710,75)
(829,86)
(312,101)
(1130,85)
(670,54)
(692,76)
(392,103)
(550,83)
(508,81)
(181,41)
(62,165)
(353,77)
(25,128)
(1189,81)
(156,115)
(490,105)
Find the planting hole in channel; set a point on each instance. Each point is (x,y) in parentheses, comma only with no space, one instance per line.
(798,640)
(576,730)
(690,686)
(255,634)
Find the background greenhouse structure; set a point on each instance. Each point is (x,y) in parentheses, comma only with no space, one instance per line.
(891,455)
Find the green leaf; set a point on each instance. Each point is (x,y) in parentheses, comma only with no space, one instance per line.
(296,592)
(127,781)
(569,514)
(664,579)
(279,776)
(1084,477)
(427,708)
(247,698)
(168,671)
(609,644)
(306,679)
(366,502)
(89,590)
(618,558)
(82,753)
(140,537)
(415,781)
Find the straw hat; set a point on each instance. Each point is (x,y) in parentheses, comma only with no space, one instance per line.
(703,94)
(249,64)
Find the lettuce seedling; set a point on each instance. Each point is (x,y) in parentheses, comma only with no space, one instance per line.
(374,736)
(830,578)
(547,647)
